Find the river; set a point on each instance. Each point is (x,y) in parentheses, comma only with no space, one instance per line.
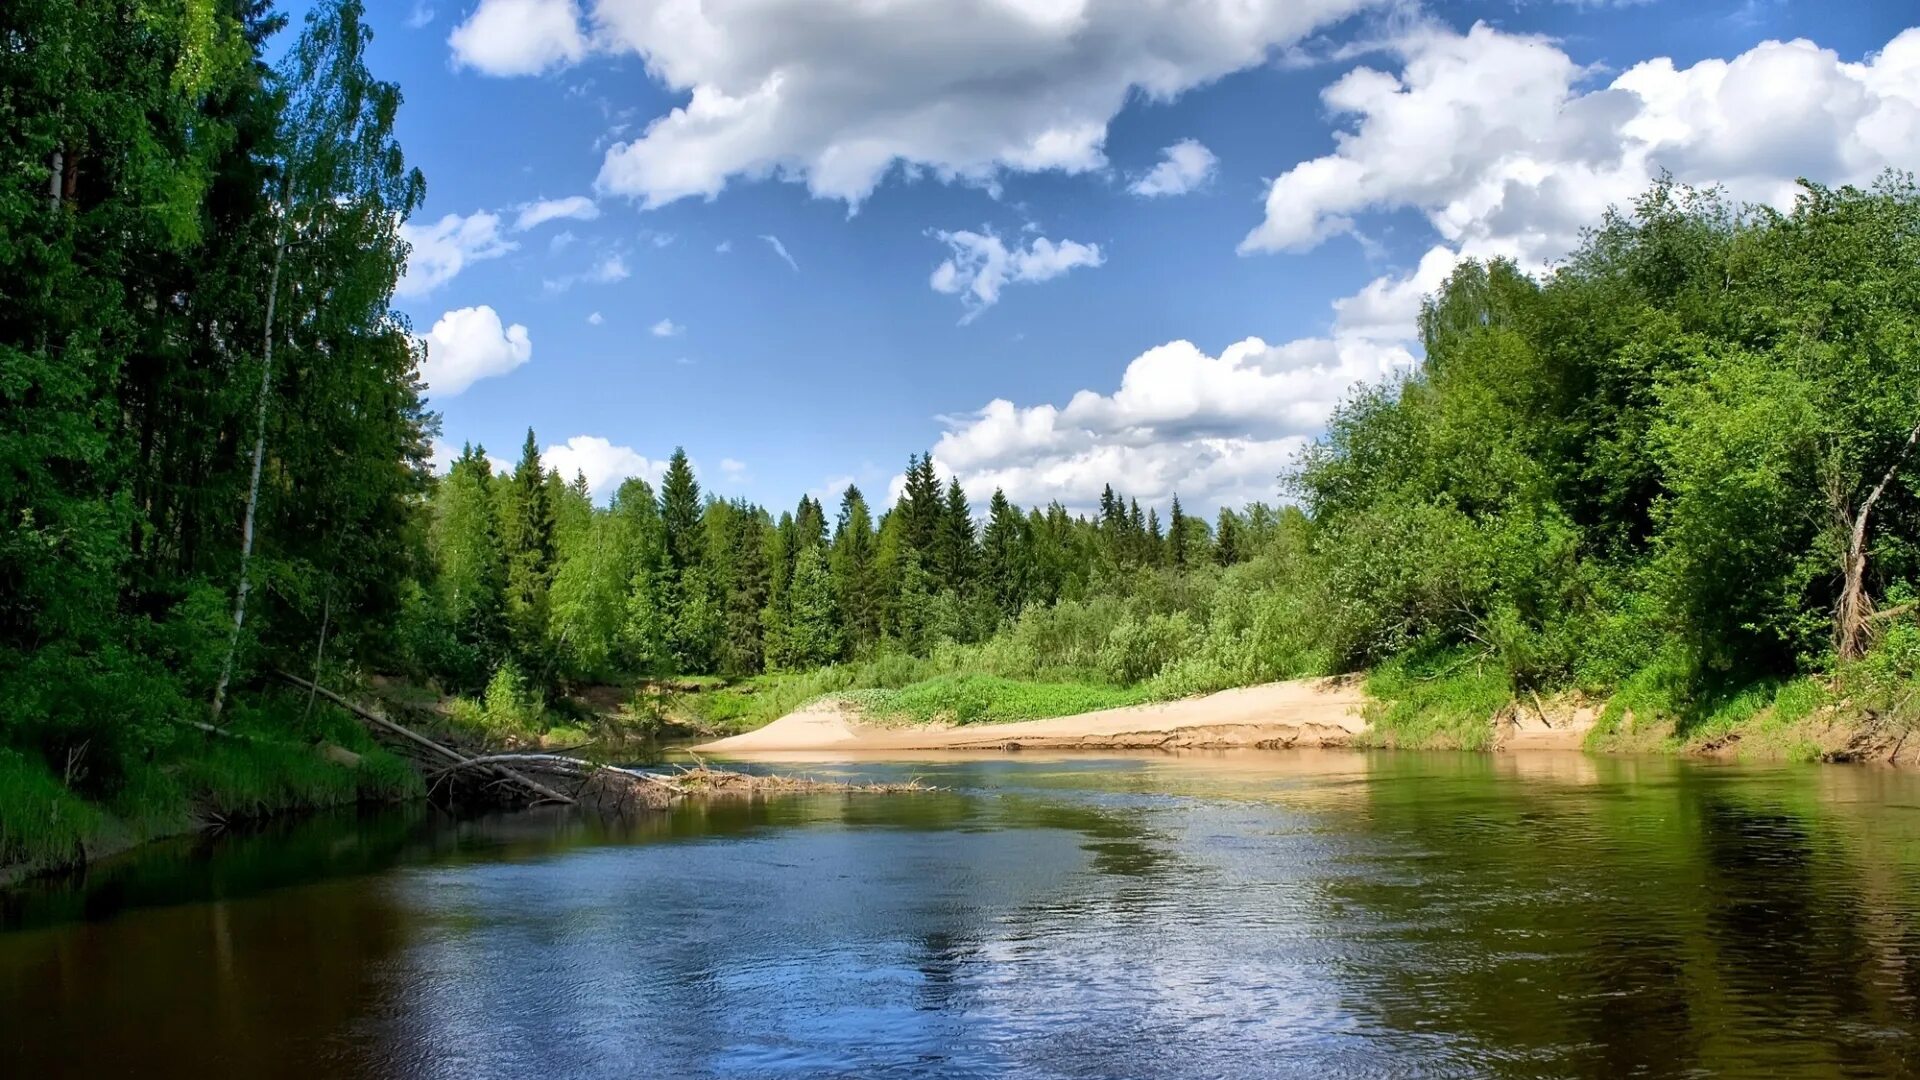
(1311,914)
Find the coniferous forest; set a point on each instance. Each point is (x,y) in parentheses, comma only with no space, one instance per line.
(1676,473)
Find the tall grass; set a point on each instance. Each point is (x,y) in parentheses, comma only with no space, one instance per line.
(1443,699)
(275,766)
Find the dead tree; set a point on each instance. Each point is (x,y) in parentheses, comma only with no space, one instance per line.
(1854,617)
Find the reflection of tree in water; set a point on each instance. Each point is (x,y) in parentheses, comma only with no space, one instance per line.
(248,985)
(1625,927)
(1787,930)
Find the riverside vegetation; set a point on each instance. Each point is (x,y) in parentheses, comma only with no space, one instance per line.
(1674,474)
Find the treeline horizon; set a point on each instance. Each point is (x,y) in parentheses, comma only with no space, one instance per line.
(681,582)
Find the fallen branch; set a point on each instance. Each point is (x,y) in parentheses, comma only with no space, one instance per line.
(605,786)
(541,791)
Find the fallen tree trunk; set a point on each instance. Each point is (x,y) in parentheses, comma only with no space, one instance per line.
(604,787)
(612,786)
(541,792)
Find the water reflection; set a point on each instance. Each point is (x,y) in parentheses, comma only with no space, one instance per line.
(1253,914)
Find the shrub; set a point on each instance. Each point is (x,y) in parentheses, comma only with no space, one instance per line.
(1136,649)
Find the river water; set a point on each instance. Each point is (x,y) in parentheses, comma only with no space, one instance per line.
(1311,914)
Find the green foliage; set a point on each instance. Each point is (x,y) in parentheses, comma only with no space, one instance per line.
(987,699)
(510,708)
(42,822)
(1432,697)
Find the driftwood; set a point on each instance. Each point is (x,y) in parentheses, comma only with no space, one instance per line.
(617,788)
(604,787)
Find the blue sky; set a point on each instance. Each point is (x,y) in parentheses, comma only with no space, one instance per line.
(1353,150)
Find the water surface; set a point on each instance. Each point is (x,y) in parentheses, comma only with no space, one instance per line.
(1313,914)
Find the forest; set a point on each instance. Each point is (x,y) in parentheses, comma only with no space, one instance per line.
(1674,472)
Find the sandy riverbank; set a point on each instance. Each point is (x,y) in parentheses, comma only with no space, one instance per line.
(1307,712)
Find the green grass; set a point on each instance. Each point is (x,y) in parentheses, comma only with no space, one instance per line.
(41,822)
(256,780)
(45,825)
(1447,699)
(988,699)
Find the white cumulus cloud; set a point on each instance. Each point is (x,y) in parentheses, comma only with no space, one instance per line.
(519,37)
(668,328)
(1184,166)
(837,93)
(605,465)
(1490,135)
(1212,429)
(541,211)
(441,250)
(981,265)
(468,345)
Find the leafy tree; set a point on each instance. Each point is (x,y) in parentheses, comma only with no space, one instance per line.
(472,569)
(337,158)
(813,626)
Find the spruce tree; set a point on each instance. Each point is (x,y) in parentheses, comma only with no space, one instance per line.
(1226,548)
(954,543)
(680,514)
(747,590)
(920,507)
(527,529)
(852,566)
(810,523)
(1177,534)
(1004,555)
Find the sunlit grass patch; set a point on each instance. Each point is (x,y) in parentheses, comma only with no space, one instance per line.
(1440,699)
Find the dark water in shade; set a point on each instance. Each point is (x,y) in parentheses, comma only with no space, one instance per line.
(1312,914)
